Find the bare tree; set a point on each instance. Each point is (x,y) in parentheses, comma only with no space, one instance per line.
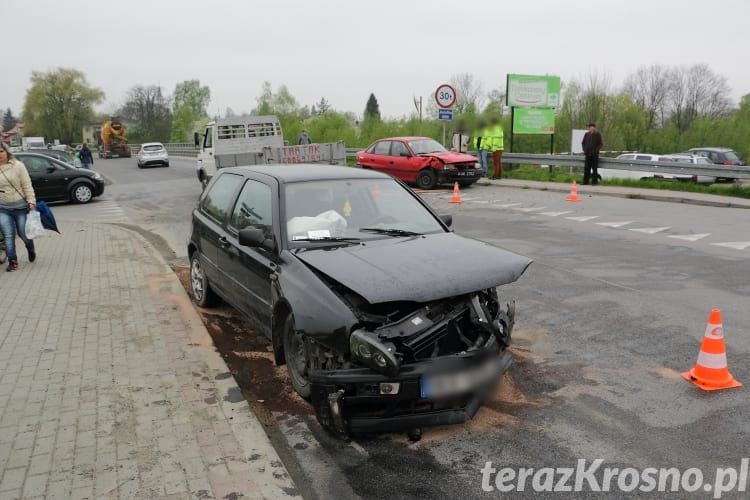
(696,91)
(649,87)
(149,108)
(496,98)
(469,92)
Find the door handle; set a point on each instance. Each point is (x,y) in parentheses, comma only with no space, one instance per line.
(223,241)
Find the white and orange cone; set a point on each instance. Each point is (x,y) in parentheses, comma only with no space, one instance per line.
(456,194)
(711,372)
(573,196)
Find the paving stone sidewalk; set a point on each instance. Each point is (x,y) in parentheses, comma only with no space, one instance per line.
(110,386)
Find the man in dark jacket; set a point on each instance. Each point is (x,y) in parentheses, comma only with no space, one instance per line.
(87,159)
(592,143)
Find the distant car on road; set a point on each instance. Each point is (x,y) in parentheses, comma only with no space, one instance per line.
(696,160)
(719,156)
(610,173)
(55,180)
(421,161)
(385,318)
(151,154)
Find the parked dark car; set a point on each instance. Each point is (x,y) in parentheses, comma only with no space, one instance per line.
(385,318)
(719,156)
(55,180)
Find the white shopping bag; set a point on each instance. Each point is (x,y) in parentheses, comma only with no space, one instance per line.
(34,227)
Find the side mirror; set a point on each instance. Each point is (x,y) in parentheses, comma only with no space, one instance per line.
(447,219)
(196,139)
(254,238)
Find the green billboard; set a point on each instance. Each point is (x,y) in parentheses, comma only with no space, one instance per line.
(528,91)
(534,121)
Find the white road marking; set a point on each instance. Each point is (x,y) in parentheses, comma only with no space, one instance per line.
(650,230)
(507,205)
(689,237)
(480,201)
(584,218)
(532,209)
(555,214)
(615,224)
(737,245)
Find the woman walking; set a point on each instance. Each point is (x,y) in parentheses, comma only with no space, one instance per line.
(16,199)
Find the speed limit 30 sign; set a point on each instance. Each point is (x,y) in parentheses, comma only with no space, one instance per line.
(445,96)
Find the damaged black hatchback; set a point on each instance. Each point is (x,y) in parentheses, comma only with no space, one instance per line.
(385,318)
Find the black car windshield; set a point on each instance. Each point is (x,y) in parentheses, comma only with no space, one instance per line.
(422,146)
(153,147)
(354,208)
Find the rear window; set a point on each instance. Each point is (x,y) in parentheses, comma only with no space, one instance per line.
(153,147)
(732,156)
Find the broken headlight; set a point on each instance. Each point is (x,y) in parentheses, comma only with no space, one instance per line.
(367,348)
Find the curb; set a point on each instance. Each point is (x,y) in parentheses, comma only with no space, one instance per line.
(632,196)
(271,476)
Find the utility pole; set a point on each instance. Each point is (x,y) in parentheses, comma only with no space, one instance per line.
(418,105)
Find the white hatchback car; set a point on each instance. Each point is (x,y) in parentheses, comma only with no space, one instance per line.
(152,153)
(606,173)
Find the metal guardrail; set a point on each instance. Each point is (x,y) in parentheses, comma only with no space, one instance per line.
(663,167)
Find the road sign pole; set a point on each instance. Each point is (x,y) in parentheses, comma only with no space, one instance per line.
(444,134)
(512,120)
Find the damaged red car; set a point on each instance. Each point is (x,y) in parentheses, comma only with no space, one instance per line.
(353,278)
(420,161)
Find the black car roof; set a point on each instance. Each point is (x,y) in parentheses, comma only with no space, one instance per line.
(300,172)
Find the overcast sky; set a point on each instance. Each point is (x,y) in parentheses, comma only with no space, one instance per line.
(343,50)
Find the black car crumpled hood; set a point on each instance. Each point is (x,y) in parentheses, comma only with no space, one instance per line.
(419,269)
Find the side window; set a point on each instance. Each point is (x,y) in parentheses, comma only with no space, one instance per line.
(208,138)
(36,165)
(382,148)
(398,148)
(643,157)
(218,201)
(253,209)
(714,157)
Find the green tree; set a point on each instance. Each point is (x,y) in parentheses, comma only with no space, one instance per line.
(189,105)
(9,121)
(58,104)
(149,108)
(372,109)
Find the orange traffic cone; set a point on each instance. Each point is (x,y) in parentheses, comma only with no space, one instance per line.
(710,372)
(456,194)
(573,196)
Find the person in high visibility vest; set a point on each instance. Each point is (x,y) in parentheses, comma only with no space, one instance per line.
(493,141)
(478,144)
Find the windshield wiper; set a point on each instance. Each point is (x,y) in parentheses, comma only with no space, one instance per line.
(389,231)
(325,238)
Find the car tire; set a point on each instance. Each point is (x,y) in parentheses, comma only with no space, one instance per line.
(426,179)
(297,362)
(199,286)
(166,164)
(81,193)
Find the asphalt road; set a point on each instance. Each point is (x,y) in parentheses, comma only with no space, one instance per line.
(609,314)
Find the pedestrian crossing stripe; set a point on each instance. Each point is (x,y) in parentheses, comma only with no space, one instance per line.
(650,230)
(614,224)
(689,237)
(737,245)
(583,218)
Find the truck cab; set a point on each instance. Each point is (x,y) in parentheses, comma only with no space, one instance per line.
(235,141)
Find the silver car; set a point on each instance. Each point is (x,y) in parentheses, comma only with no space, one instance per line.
(152,154)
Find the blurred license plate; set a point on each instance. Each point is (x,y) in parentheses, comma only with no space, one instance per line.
(453,384)
(466,173)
